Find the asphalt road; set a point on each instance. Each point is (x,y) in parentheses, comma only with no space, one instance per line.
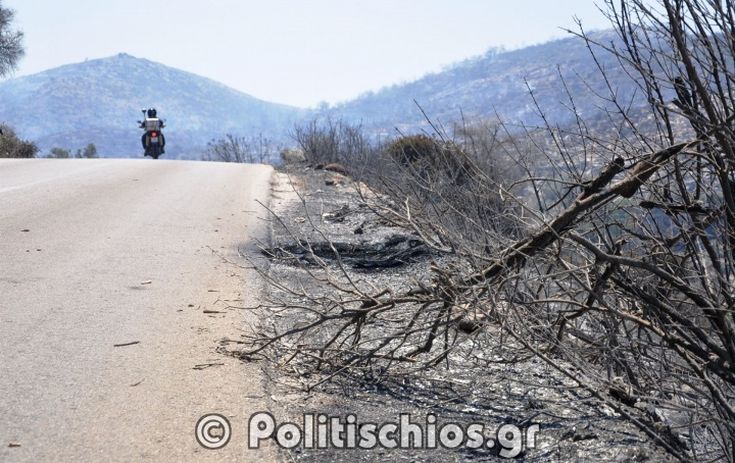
(106,270)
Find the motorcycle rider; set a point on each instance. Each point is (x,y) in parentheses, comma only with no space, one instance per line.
(152,123)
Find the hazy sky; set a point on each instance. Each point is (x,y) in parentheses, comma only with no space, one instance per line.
(297,52)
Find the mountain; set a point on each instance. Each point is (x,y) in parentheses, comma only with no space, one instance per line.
(500,82)
(99,101)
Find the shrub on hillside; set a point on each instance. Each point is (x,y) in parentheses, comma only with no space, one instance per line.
(410,149)
(59,153)
(292,156)
(328,142)
(241,149)
(89,152)
(430,159)
(13,147)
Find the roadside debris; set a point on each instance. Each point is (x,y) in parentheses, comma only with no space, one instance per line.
(335,167)
(203,366)
(124,344)
(395,251)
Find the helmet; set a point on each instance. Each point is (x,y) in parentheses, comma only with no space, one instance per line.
(152,112)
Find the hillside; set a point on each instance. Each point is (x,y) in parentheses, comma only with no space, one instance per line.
(498,82)
(99,101)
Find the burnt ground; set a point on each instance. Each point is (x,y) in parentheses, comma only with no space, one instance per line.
(494,385)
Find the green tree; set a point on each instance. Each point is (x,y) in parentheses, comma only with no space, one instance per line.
(59,153)
(13,147)
(90,151)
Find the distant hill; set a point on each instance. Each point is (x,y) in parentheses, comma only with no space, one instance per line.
(499,82)
(99,101)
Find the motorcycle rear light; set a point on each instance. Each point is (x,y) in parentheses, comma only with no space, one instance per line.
(154,134)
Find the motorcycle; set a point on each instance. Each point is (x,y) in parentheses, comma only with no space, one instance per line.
(153,137)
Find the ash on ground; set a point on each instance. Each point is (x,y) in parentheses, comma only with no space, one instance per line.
(494,385)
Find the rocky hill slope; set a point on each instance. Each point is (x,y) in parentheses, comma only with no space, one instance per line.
(99,101)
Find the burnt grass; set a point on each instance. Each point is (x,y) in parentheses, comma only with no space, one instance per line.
(487,379)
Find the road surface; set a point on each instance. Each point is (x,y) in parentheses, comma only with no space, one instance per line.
(114,295)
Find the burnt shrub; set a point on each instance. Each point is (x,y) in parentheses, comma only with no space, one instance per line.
(328,142)
(410,149)
(430,159)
